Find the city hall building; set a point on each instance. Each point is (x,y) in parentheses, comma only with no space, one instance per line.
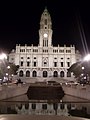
(44,60)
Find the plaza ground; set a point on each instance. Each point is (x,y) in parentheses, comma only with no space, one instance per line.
(39,117)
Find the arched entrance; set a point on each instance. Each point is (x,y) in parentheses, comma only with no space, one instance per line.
(34,74)
(62,74)
(21,73)
(55,74)
(45,73)
(27,74)
(68,74)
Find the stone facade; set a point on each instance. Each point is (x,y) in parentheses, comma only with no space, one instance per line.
(44,60)
(43,109)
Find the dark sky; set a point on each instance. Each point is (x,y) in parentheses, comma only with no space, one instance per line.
(19,22)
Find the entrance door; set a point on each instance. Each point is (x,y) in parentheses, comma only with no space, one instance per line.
(44,73)
(34,74)
(62,74)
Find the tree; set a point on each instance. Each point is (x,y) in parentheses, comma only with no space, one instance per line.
(76,69)
(13,69)
(3,69)
(81,70)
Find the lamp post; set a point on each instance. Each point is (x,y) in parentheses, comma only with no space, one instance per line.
(8,67)
(87,59)
(3,56)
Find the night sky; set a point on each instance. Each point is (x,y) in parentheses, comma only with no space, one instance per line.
(19,22)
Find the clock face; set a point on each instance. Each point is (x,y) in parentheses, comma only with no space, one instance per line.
(45,35)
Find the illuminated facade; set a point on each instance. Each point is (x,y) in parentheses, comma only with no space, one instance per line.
(44,60)
(43,109)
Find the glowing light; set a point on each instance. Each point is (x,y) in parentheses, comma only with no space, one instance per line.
(87,58)
(12,75)
(82,68)
(6,74)
(8,67)
(45,35)
(3,56)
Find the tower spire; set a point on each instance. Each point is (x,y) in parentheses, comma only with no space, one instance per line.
(45,32)
(45,7)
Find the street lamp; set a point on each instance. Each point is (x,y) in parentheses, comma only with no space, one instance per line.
(3,56)
(87,57)
(8,67)
(82,68)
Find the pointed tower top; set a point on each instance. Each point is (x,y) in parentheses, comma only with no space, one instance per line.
(45,9)
(45,32)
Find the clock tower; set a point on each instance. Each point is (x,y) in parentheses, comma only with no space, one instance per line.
(45,32)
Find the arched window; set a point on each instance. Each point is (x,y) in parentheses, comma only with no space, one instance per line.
(26,105)
(68,74)
(55,74)
(55,106)
(27,74)
(62,74)
(45,73)
(19,106)
(34,74)
(21,73)
(62,106)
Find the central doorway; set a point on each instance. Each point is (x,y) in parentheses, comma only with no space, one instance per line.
(44,73)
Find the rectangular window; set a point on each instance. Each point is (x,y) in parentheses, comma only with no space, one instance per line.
(28,63)
(68,64)
(34,64)
(61,64)
(33,106)
(44,106)
(45,21)
(21,63)
(55,64)
(68,51)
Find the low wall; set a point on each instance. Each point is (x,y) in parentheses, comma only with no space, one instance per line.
(77,91)
(8,91)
